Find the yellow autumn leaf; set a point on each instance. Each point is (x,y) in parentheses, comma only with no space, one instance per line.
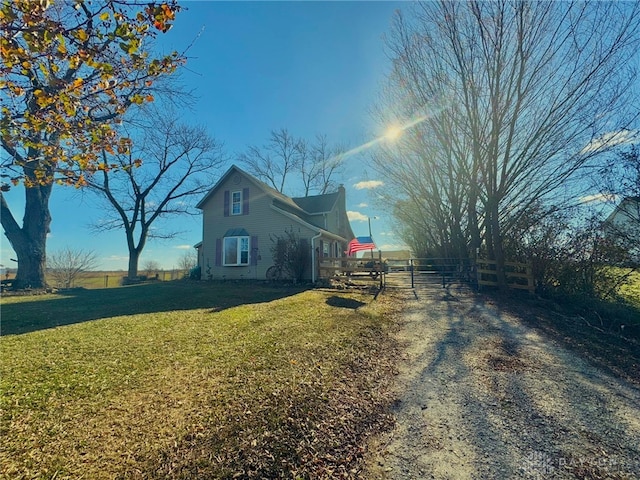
(81,35)
(104,16)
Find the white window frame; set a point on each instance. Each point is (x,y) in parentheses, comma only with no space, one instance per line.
(240,242)
(236,202)
(326,249)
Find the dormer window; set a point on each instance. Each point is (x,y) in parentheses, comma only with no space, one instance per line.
(236,203)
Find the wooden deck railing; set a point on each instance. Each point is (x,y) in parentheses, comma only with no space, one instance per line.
(331,267)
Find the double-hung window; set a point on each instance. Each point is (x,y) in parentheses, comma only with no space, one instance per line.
(236,203)
(236,251)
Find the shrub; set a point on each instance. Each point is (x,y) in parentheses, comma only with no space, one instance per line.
(195,273)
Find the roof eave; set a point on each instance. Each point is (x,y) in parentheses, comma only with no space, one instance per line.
(308,225)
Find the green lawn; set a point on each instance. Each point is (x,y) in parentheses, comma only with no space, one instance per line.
(631,291)
(191,380)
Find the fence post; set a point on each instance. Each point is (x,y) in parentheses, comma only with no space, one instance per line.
(106,281)
(411,269)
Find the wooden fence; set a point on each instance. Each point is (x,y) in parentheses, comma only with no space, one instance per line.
(519,275)
(366,269)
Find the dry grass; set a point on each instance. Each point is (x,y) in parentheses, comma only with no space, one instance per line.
(631,290)
(289,387)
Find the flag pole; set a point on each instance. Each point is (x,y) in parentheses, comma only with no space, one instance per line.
(370,237)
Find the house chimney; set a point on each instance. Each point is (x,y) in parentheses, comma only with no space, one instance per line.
(342,206)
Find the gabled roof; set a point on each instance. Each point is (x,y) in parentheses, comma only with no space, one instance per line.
(272,192)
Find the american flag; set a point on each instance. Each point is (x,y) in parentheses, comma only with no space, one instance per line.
(360,243)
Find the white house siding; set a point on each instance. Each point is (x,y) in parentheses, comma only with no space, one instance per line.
(624,225)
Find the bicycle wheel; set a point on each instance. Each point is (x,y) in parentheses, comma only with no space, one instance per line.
(273,273)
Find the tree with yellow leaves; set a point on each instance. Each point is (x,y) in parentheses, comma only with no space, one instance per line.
(69,71)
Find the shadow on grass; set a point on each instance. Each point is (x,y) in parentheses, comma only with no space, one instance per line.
(341,302)
(29,314)
(612,352)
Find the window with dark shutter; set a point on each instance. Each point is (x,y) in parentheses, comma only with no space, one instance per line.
(227,199)
(218,252)
(254,250)
(245,201)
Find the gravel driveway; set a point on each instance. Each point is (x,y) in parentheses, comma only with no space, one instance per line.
(480,395)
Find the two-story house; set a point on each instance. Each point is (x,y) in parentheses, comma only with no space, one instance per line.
(241,217)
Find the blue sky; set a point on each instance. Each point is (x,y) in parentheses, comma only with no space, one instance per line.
(310,67)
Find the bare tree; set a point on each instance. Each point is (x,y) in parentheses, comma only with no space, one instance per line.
(178,166)
(508,101)
(273,162)
(151,268)
(187,261)
(315,164)
(318,166)
(66,265)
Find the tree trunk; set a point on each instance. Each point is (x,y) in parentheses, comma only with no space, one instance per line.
(30,241)
(497,250)
(134,256)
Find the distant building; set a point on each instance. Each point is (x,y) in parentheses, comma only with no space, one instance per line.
(623,225)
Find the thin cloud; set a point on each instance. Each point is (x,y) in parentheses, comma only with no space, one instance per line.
(356,216)
(368,184)
(363,205)
(611,139)
(116,258)
(598,197)
(184,247)
(392,247)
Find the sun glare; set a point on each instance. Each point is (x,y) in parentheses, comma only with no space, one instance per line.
(393,133)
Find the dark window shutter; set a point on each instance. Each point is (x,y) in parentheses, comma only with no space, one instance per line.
(321,249)
(245,201)
(218,252)
(226,203)
(254,250)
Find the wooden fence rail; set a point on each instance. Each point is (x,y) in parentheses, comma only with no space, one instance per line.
(361,268)
(519,275)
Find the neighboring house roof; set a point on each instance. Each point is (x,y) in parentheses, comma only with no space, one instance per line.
(397,254)
(628,209)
